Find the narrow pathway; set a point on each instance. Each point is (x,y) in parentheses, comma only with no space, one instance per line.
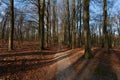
(62,65)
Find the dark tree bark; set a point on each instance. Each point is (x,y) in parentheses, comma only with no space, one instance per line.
(68,22)
(41,8)
(11,32)
(105,32)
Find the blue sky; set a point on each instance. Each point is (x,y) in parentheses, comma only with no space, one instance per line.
(116,7)
(96,9)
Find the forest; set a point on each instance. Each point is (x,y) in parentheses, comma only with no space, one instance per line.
(59,40)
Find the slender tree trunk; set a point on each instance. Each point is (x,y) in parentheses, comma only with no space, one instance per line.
(68,22)
(39,30)
(54,28)
(3,27)
(48,24)
(50,27)
(105,32)
(56,34)
(41,9)
(88,52)
(43,32)
(80,24)
(11,32)
(73,24)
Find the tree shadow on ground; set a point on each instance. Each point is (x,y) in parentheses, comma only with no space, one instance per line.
(104,70)
(117,53)
(32,53)
(9,67)
(74,69)
(101,71)
(63,75)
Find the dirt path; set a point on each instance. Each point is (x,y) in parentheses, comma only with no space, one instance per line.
(62,73)
(103,66)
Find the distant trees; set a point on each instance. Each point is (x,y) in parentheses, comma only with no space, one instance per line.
(3,24)
(73,24)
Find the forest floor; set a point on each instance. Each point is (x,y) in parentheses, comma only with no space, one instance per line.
(58,63)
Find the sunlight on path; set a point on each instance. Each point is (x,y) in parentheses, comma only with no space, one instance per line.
(64,64)
(61,65)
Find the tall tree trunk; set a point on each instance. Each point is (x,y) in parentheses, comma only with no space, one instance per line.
(41,8)
(3,24)
(56,34)
(48,24)
(80,24)
(68,22)
(105,32)
(54,21)
(43,32)
(73,24)
(39,30)
(88,52)
(11,32)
